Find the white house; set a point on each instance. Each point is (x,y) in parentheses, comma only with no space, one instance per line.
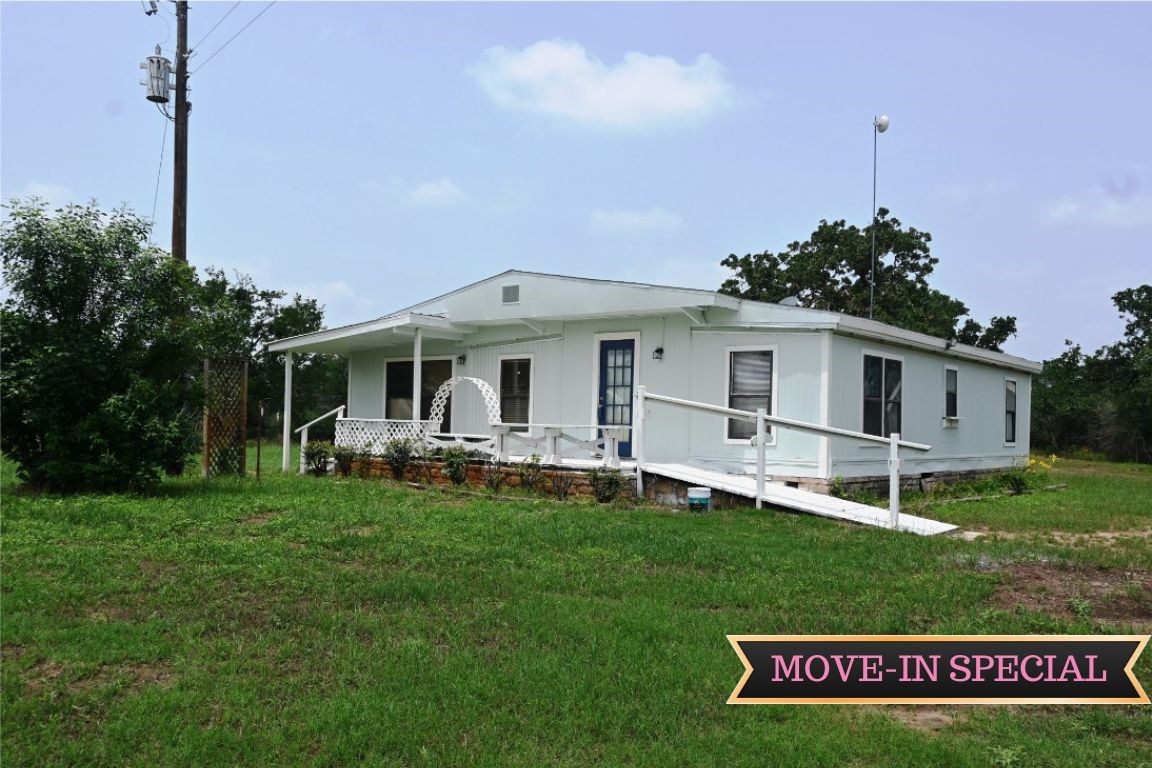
(564,355)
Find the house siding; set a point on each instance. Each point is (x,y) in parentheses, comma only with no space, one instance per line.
(975,443)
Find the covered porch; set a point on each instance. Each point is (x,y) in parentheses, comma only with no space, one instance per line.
(416,399)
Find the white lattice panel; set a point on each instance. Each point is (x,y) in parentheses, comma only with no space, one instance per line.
(491,399)
(373,434)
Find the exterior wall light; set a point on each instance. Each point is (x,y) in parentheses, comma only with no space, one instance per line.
(658,353)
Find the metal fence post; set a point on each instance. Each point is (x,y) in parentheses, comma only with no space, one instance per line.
(761,438)
(894,480)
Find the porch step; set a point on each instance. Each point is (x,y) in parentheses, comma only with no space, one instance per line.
(802,501)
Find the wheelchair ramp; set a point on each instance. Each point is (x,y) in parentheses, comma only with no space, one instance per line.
(796,499)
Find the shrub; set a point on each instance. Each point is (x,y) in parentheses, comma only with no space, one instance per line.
(529,471)
(562,483)
(344,456)
(455,458)
(422,465)
(606,483)
(100,337)
(316,455)
(493,476)
(398,453)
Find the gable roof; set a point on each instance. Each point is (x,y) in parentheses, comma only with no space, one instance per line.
(543,297)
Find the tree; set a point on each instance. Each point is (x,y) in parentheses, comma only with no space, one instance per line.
(831,270)
(100,333)
(1102,402)
(243,319)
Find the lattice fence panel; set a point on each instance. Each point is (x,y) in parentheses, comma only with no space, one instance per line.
(373,434)
(225,417)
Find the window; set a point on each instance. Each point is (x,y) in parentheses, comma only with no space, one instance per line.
(516,391)
(1009,411)
(951,376)
(510,294)
(749,388)
(883,377)
(398,389)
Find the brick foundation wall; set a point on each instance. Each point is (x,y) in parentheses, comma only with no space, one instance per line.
(581,486)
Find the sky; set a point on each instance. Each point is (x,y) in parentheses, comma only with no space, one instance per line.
(372,155)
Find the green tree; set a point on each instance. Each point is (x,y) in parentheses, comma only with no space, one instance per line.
(100,333)
(1103,401)
(831,271)
(242,319)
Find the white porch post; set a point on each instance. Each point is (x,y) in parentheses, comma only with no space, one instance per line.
(638,438)
(894,480)
(417,364)
(286,458)
(761,439)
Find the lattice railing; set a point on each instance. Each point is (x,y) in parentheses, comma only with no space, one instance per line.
(373,434)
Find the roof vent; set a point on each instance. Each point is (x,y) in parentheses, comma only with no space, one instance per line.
(511,294)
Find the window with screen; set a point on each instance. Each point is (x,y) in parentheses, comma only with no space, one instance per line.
(516,391)
(398,389)
(951,386)
(1009,411)
(883,386)
(749,388)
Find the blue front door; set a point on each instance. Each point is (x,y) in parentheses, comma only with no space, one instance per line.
(617,372)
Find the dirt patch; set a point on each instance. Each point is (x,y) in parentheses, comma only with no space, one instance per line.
(1081,593)
(924,719)
(261,517)
(46,674)
(107,613)
(1063,538)
(362,530)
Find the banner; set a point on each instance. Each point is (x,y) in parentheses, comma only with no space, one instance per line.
(938,669)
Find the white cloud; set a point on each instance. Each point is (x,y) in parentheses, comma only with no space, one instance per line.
(560,78)
(652,220)
(1099,207)
(441,191)
(56,195)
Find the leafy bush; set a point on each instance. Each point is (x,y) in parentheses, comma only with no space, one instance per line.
(316,456)
(398,453)
(101,335)
(493,477)
(455,458)
(529,471)
(424,469)
(344,456)
(606,483)
(562,483)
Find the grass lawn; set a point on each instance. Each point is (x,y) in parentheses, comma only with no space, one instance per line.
(313,621)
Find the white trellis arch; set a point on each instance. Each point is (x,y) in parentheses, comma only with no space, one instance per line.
(491,399)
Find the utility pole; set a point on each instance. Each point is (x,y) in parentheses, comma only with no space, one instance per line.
(180,171)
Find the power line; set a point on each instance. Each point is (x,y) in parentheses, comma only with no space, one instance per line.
(156,194)
(217,51)
(217,24)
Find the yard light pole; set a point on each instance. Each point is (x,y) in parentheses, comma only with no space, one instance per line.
(879,125)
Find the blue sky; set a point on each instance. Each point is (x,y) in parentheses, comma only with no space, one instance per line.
(375,154)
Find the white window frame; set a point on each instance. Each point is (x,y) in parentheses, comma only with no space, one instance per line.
(411,359)
(885,355)
(773,395)
(531,358)
(951,421)
(1004,413)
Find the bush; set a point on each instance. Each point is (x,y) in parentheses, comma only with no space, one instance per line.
(529,471)
(344,456)
(455,458)
(100,338)
(398,453)
(493,476)
(606,483)
(422,465)
(562,483)
(316,455)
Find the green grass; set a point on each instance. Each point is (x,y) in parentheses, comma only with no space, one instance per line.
(306,621)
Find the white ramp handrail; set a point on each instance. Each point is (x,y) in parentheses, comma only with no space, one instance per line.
(605,445)
(338,412)
(762,419)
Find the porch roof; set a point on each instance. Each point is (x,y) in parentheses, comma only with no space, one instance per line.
(386,331)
